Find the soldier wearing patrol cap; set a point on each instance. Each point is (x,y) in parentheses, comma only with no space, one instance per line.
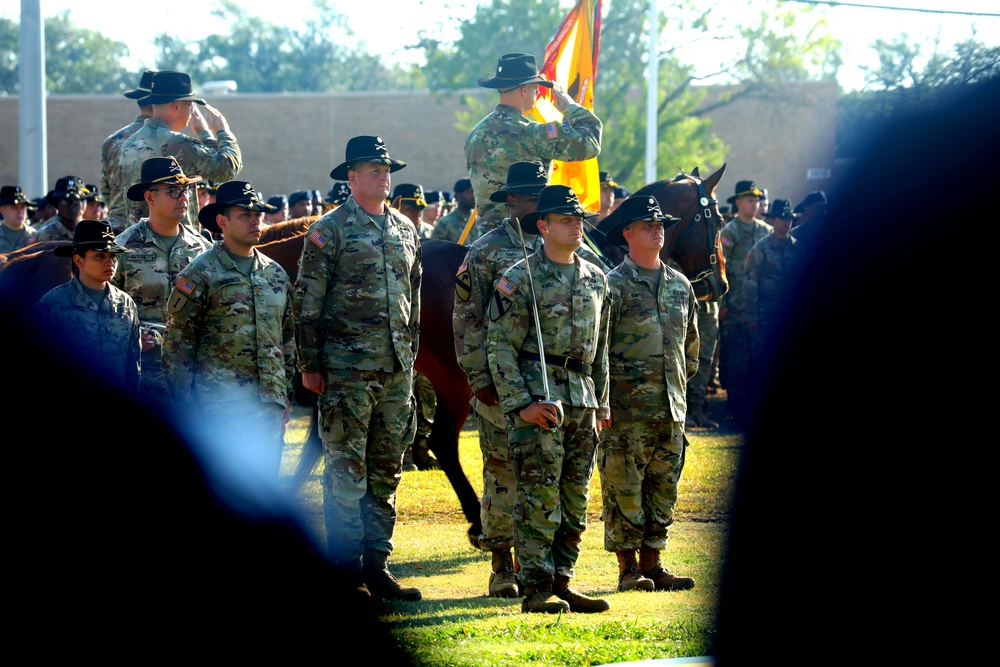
(737,238)
(357,303)
(299,204)
(229,347)
(67,197)
(451,225)
(652,353)
(15,232)
(111,148)
(552,446)
(279,204)
(506,135)
(157,249)
(95,323)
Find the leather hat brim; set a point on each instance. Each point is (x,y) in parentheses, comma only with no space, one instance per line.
(339,172)
(500,195)
(491,81)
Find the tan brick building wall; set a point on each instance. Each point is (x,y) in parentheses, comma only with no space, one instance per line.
(292,141)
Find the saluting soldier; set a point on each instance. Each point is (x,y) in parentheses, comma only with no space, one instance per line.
(652,353)
(215,157)
(94,322)
(229,346)
(357,302)
(552,448)
(157,249)
(506,135)
(15,232)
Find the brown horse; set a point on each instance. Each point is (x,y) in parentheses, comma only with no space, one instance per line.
(693,243)
(286,229)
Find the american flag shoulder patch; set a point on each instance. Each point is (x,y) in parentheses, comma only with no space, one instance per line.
(465,265)
(318,238)
(506,287)
(552,129)
(185,285)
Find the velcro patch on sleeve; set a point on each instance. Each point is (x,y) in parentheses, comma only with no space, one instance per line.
(506,287)
(318,239)
(185,285)
(552,129)
(463,283)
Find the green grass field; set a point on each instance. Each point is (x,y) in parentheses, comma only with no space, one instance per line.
(457,623)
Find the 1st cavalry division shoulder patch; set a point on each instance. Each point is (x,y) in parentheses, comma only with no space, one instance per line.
(463,282)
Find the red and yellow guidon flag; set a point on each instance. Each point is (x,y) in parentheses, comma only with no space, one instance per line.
(571,59)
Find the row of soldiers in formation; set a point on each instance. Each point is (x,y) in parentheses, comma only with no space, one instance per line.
(231,332)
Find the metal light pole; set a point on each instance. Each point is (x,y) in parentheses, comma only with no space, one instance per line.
(32,134)
(651,87)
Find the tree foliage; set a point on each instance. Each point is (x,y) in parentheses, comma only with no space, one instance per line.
(77,60)
(262,56)
(906,82)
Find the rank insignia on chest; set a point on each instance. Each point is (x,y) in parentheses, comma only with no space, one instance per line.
(506,287)
(185,285)
(552,129)
(318,239)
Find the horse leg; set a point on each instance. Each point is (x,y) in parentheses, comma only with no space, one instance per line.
(448,421)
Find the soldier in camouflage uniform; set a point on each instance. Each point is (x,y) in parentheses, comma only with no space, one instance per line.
(111,152)
(357,302)
(506,136)
(771,271)
(452,224)
(738,236)
(217,158)
(487,260)
(67,197)
(697,388)
(553,455)
(15,232)
(652,353)
(157,248)
(94,322)
(229,347)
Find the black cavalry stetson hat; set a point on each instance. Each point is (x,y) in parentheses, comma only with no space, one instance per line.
(144,86)
(523,178)
(159,171)
(745,188)
(67,187)
(634,209)
(781,208)
(559,199)
(338,194)
(232,193)
(513,70)
(815,197)
(408,192)
(91,235)
(93,193)
(606,179)
(13,194)
(365,149)
(169,86)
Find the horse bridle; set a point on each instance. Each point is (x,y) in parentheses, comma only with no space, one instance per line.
(704,212)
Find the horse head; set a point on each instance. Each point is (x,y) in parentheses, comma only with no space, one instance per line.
(693,243)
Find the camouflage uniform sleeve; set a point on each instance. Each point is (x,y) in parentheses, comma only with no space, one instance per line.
(505,337)
(577,138)
(750,284)
(692,341)
(185,309)
(288,339)
(600,375)
(133,360)
(416,275)
(219,163)
(469,320)
(315,265)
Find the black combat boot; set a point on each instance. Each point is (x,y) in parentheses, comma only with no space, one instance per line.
(381,583)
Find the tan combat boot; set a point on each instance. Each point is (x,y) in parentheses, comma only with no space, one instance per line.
(629,578)
(539,598)
(503,583)
(577,601)
(381,583)
(649,566)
